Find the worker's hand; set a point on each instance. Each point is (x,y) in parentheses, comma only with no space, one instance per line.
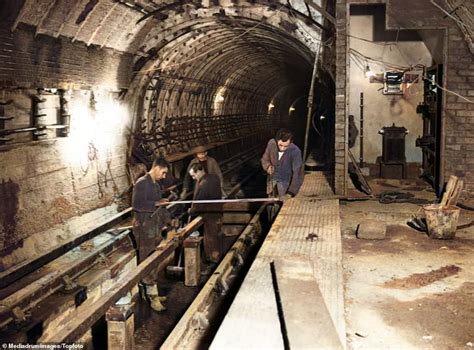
(173,196)
(285,197)
(183,195)
(270,170)
(163,201)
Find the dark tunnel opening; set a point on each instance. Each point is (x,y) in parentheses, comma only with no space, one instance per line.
(232,73)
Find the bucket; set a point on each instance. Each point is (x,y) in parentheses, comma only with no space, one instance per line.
(441,222)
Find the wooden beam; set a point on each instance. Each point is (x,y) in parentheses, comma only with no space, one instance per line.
(9,276)
(89,312)
(309,115)
(322,11)
(307,320)
(205,297)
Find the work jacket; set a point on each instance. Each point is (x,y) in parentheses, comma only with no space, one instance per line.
(288,170)
(211,167)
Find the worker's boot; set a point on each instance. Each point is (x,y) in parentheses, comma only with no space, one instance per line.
(155,299)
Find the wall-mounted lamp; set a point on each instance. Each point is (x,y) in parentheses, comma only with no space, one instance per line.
(368,72)
(291,109)
(270,107)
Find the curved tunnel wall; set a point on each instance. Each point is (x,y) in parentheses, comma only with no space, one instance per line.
(182,57)
(221,64)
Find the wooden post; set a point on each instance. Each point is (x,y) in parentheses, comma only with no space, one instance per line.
(120,327)
(310,106)
(192,261)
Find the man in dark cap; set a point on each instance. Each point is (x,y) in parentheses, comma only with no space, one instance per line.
(209,165)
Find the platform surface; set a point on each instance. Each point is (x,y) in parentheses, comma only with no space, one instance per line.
(306,231)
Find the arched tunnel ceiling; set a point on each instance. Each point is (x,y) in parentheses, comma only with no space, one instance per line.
(236,43)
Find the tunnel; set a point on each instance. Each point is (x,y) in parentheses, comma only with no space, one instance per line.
(110,85)
(378,97)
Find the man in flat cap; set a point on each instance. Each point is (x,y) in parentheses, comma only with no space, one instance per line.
(209,165)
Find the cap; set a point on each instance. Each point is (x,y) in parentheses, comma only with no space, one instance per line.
(200,149)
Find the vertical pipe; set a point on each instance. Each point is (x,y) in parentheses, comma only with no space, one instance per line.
(310,106)
(361,134)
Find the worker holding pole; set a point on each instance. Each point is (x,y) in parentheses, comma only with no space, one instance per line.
(148,223)
(284,166)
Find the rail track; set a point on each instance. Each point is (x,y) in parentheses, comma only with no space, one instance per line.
(62,295)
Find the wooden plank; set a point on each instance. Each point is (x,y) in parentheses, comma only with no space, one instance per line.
(9,276)
(89,312)
(236,218)
(452,192)
(449,190)
(243,207)
(322,11)
(453,200)
(184,329)
(307,319)
(252,322)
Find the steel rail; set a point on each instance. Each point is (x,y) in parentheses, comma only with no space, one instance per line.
(90,311)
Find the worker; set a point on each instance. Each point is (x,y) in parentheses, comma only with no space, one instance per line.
(148,223)
(208,186)
(210,166)
(284,166)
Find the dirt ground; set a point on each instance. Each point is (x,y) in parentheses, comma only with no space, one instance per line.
(407,291)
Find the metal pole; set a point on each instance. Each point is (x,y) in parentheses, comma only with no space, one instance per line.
(210,201)
(361,134)
(310,106)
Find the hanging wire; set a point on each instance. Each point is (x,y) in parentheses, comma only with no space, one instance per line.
(406,69)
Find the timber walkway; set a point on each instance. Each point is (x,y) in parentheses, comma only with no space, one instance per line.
(292,296)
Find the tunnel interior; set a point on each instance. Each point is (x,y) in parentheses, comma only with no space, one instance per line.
(229,67)
(94,90)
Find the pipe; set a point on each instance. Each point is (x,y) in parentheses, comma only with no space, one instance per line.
(361,134)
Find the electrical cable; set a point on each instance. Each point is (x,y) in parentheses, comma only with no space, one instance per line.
(405,69)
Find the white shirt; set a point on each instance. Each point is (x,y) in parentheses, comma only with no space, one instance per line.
(280,154)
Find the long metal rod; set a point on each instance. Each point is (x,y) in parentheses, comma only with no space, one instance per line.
(210,201)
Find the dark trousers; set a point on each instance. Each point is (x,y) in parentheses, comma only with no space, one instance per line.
(147,233)
(213,237)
